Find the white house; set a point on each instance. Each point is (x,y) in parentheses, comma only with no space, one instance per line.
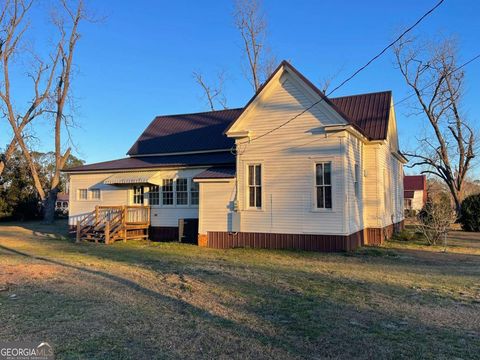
(415,192)
(291,169)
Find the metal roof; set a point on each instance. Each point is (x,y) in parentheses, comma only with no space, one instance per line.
(414,182)
(136,177)
(370,112)
(186,132)
(225,172)
(208,159)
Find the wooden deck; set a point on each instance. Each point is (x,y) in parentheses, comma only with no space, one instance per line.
(111,223)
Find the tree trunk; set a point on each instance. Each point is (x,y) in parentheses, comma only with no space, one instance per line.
(49,206)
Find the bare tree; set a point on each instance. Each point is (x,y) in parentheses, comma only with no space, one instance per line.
(13,27)
(67,46)
(250,21)
(326,81)
(447,150)
(213,93)
(54,95)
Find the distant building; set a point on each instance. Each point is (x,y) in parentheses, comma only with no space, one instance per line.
(414,192)
(62,203)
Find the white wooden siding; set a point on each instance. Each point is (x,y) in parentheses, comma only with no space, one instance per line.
(383,181)
(123,195)
(216,206)
(288,156)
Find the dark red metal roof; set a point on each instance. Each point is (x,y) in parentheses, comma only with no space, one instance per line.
(146,162)
(414,182)
(186,132)
(225,172)
(370,112)
(203,131)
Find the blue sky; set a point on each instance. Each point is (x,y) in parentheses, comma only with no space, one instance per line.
(138,63)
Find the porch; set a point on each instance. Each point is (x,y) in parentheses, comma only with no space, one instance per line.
(108,224)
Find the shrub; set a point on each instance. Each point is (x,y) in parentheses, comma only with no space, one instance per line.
(405,235)
(435,219)
(470,213)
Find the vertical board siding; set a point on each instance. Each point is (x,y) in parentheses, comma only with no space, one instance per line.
(308,242)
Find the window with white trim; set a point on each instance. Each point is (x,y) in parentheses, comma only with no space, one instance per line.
(181,191)
(255,186)
(82,194)
(323,185)
(167,192)
(154,195)
(356,180)
(194,192)
(95,194)
(138,195)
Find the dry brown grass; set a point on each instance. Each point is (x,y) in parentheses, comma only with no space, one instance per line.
(160,300)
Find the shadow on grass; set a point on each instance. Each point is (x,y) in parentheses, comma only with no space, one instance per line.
(307,323)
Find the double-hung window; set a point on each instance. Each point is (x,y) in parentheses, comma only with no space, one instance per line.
(154,195)
(167,192)
(82,194)
(323,185)
(255,186)
(193,192)
(95,194)
(138,195)
(182,191)
(356,182)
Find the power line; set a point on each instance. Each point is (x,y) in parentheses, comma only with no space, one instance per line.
(398,102)
(352,76)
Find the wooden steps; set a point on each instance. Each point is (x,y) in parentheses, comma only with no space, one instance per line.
(110,224)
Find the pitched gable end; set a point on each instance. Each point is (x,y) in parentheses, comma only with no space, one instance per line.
(286,72)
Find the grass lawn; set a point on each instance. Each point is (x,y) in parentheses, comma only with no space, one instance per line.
(144,300)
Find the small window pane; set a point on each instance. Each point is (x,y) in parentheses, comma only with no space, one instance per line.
(252,196)
(182,192)
(258,175)
(251,174)
(327,173)
(95,194)
(82,194)
(154,195)
(167,192)
(328,197)
(258,197)
(319,174)
(194,192)
(138,195)
(320,197)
